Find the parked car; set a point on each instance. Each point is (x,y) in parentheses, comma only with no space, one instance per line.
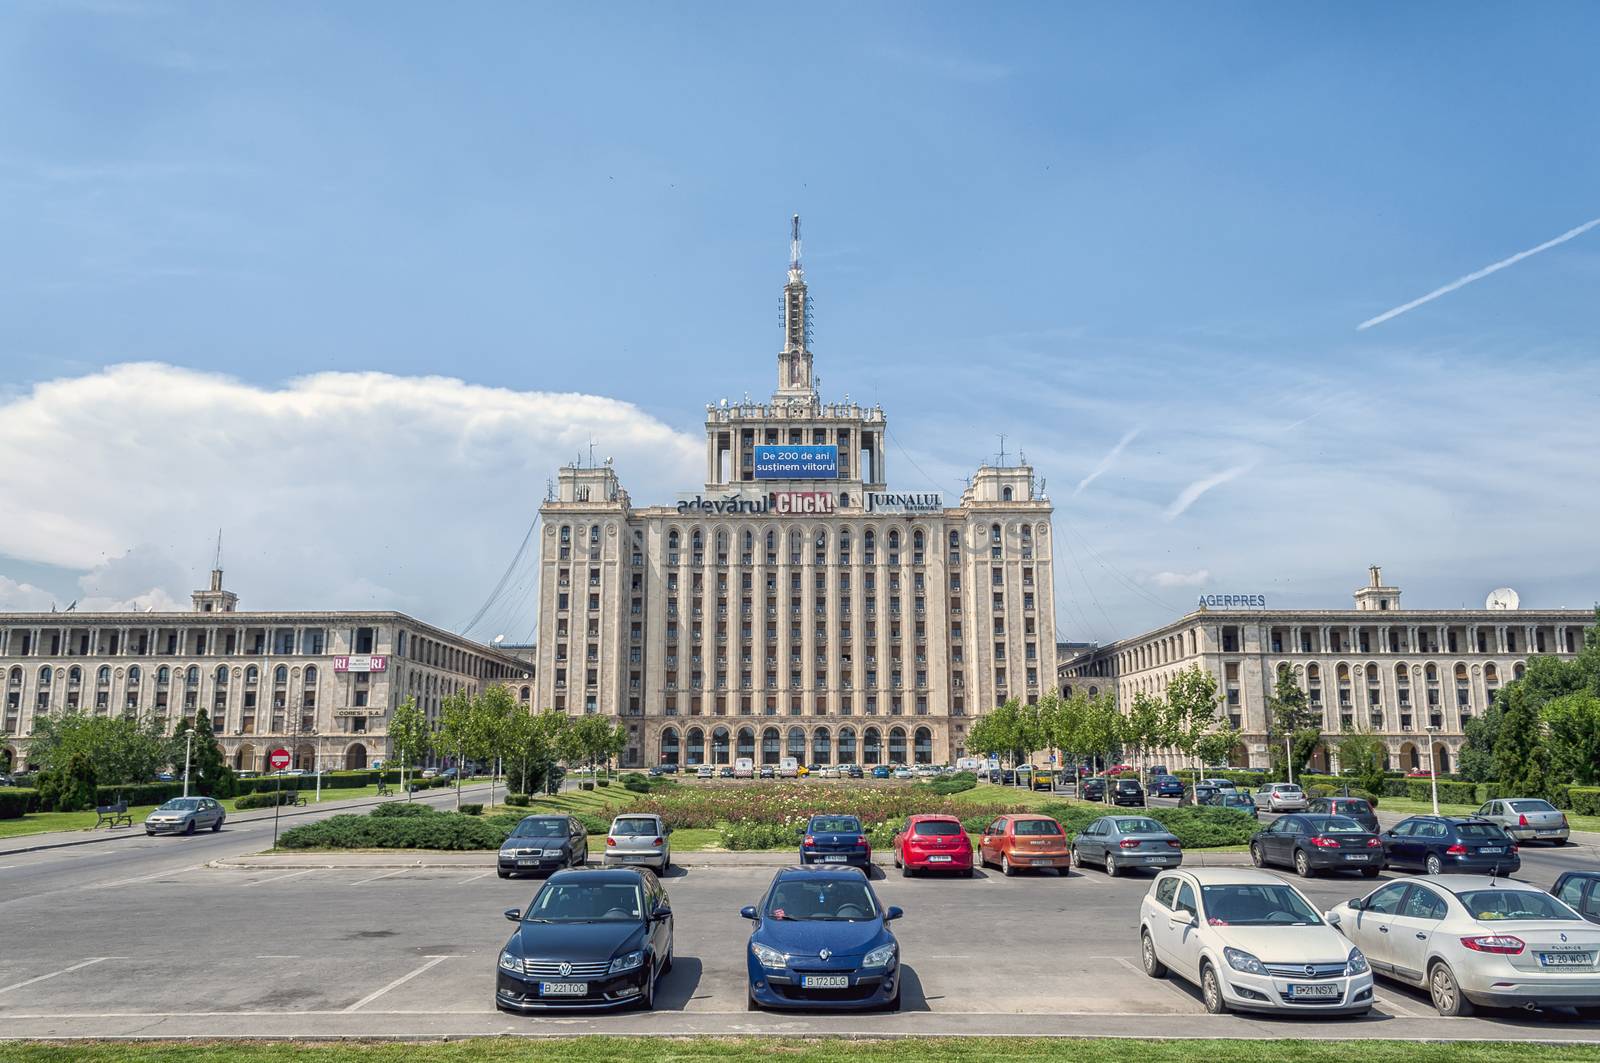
(903,773)
(1221,784)
(853,771)
(1024,842)
(448,773)
(1357,808)
(1093,789)
(1281,797)
(1527,819)
(1008,777)
(639,839)
(828,773)
(1311,843)
(1119,843)
(705,771)
(767,772)
(1438,844)
(543,843)
(589,939)
(1419,773)
(1042,779)
(1156,770)
(1243,802)
(1580,891)
(1203,795)
(744,768)
(1251,942)
(822,938)
(185,815)
(933,843)
(1471,940)
(1127,792)
(1166,786)
(725,772)
(880,771)
(834,840)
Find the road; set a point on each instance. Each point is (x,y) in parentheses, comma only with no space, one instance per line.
(142,939)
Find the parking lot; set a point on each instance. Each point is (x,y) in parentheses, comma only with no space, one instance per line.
(202,951)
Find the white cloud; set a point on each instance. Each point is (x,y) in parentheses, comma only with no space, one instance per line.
(338,490)
(24,597)
(1197,578)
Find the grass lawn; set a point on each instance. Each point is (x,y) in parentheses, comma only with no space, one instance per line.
(806,1050)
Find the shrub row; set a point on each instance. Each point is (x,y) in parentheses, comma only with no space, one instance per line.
(146,793)
(14,804)
(517,800)
(266,800)
(441,830)
(960,782)
(1584,800)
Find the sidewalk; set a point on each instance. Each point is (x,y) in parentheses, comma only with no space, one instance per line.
(483,858)
(61,839)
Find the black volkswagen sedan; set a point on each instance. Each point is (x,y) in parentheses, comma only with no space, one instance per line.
(590,939)
(543,843)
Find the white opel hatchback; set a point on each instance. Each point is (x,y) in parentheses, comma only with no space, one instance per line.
(1470,939)
(1251,942)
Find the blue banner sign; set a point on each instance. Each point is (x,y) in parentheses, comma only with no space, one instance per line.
(796,462)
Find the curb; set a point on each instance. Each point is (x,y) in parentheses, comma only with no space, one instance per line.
(116,835)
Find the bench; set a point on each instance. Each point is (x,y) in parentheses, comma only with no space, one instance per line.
(295,798)
(109,816)
(383,789)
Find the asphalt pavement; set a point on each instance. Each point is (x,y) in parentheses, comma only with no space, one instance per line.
(146,939)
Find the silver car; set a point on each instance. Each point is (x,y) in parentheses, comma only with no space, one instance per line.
(639,840)
(185,815)
(1527,819)
(1118,843)
(1473,939)
(1280,797)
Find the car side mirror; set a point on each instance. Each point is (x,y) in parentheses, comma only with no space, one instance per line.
(894,912)
(668,831)
(662,912)
(514,914)
(1356,904)
(748,912)
(1185,918)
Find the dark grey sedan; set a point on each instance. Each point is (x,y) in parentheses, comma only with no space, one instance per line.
(1118,843)
(185,815)
(543,843)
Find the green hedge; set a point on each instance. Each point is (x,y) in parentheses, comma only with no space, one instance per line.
(433,830)
(517,800)
(146,793)
(1454,793)
(1196,828)
(635,782)
(333,780)
(471,810)
(14,804)
(401,809)
(960,782)
(266,800)
(1584,800)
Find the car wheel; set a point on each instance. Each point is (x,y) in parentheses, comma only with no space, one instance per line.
(1147,950)
(1370,872)
(149,834)
(1302,865)
(1256,858)
(217,825)
(1435,865)
(1211,991)
(750,1002)
(905,871)
(1446,993)
(503,874)
(1112,870)
(1558,842)
(190,828)
(667,966)
(894,1003)
(969,872)
(1005,865)
(647,999)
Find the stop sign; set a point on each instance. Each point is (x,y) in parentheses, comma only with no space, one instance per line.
(278,759)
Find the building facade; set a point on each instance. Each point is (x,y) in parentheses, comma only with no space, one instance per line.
(320,684)
(793,605)
(1414,677)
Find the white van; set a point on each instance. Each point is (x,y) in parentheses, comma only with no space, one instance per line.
(788,768)
(970,763)
(744,768)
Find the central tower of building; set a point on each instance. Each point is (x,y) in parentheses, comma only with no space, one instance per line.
(793,605)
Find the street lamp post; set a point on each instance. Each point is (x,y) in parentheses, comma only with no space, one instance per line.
(188,744)
(1433,776)
(1420,707)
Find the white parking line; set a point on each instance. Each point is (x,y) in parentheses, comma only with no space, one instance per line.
(279,956)
(474,878)
(1391,1004)
(278,878)
(55,974)
(141,878)
(386,874)
(402,980)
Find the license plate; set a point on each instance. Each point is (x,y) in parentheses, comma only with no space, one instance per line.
(1551,831)
(938,859)
(1329,991)
(825,981)
(1492,849)
(1566,959)
(563,989)
(1355,856)
(833,859)
(527,863)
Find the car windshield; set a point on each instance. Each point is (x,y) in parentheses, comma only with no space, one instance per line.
(1336,825)
(1480,831)
(1139,826)
(1504,905)
(937,828)
(831,900)
(541,828)
(835,825)
(181,804)
(1257,905)
(1287,789)
(1237,799)
(634,826)
(585,902)
(1166,778)
(1352,805)
(1036,826)
(1531,806)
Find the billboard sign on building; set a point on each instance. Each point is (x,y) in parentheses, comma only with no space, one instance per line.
(796,462)
(802,502)
(362,663)
(734,501)
(1233,601)
(893,502)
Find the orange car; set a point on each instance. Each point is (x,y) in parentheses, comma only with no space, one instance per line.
(1022,841)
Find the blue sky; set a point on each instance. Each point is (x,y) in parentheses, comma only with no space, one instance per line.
(1074,224)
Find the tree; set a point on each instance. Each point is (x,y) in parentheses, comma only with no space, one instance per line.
(532,742)
(456,732)
(1144,726)
(119,748)
(410,737)
(70,787)
(1572,729)
(1191,715)
(1292,719)
(1361,758)
(1521,762)
(491,715)
(1475,762)
(1099,727)
(1215,747)
(210,771)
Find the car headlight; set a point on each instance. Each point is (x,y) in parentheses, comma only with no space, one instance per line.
(1357,963)
(769,957)
(628,962)
(879,957)
(552,852)
(1241,960)
(511,963)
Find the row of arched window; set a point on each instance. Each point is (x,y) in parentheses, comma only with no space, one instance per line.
(819,746)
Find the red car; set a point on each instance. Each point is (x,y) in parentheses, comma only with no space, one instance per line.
(933,843)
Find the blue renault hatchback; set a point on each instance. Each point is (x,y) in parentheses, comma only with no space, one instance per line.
(835,840)
(822,940)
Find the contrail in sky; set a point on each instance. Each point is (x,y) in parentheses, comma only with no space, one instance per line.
(1105,462)
(1478,275)
(1188,495)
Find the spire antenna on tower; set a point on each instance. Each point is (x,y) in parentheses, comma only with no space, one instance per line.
(794,243)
